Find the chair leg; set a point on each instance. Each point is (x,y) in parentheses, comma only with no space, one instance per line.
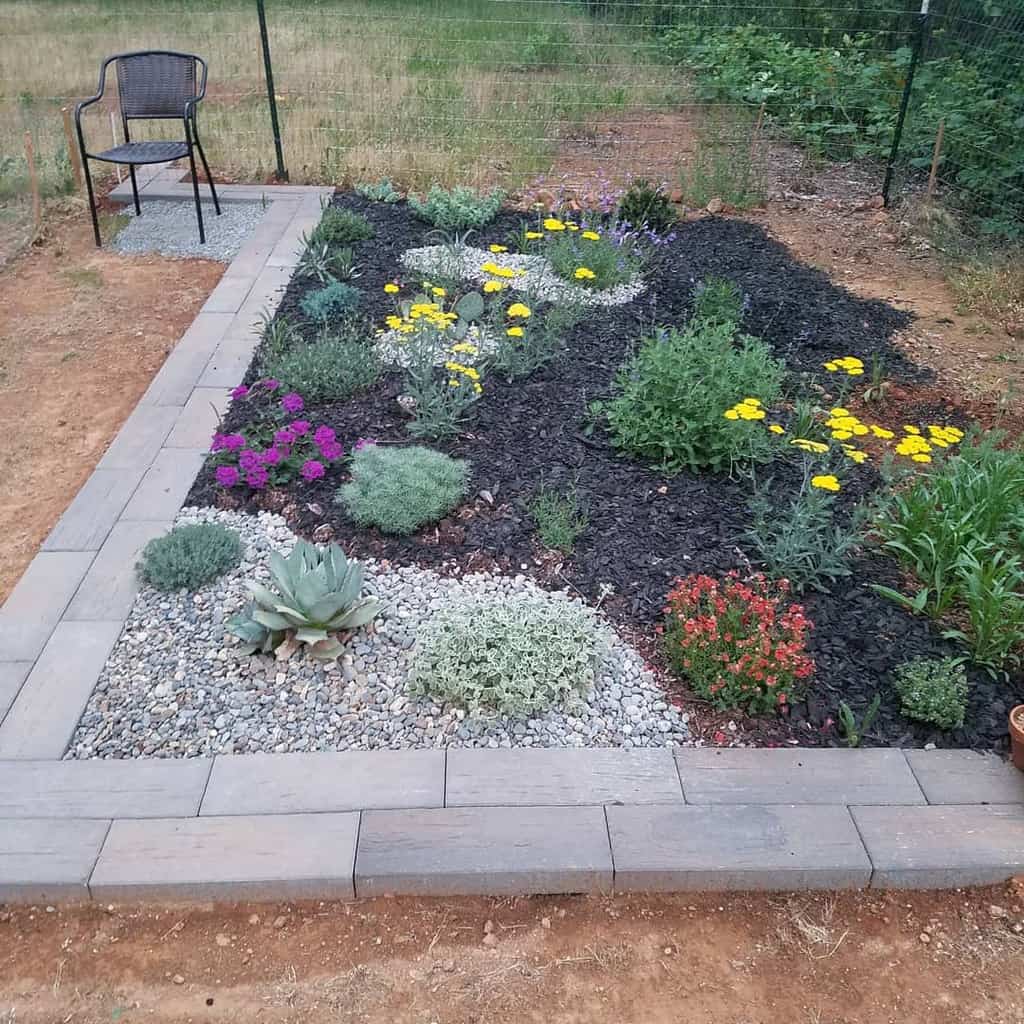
(92,201)
(209,176)
(195,191)
(135,190)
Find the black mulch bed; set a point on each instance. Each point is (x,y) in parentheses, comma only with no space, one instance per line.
(645,530)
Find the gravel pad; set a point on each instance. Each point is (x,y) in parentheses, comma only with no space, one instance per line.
(174,685)
(169,227)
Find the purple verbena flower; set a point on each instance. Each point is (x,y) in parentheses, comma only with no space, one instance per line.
(331,450)
(271,457)
(292,402)
(312,470)
(248,460)
(299,428)
(257,478)
(232,442)
(324,433)
(271,383)
(226,476)
(240,392)
(217,443)
(284,436)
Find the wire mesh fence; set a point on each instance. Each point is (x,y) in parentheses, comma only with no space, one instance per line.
(720,99)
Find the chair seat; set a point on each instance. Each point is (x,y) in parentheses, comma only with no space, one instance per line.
(143,152)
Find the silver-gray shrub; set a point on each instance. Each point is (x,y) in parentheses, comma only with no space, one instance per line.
(188,557)
(509,655)
(399,490)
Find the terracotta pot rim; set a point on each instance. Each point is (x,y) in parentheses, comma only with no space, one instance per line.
(1017,720)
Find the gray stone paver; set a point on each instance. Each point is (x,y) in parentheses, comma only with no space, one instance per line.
(549,777)
(12,675)
(286,856)
(713,848)
(454,851)
(165,485)
(43,861)
(140,438)
(88,519)
(939,847)
(38,601)
(230,363)
(325,781)
(182,369)
(110,585)
(966,777)
(140,788)
(229,294)
(797,776)
(198,420)
(42,719)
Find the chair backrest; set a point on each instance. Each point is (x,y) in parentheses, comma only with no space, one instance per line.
(156,83)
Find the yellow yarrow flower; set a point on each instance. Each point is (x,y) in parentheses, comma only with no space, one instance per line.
(826,482)
(584,274)
(808,445)
(776,429)
(515,332)
(391,289)
(553,224)
(493,286)
(439,292)
(534,235)
(881,432)
(518,309)
(591,236)
(498,248)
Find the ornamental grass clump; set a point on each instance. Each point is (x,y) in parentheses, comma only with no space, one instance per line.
(517,655)
(190,556)
(331,368)
(668,407)
(933,690)
(737,642)
(457,209)
(398,490)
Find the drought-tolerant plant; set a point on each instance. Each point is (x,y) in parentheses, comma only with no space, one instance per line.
(339,227)
(458,208)
(594,260)
(645,205)
(398,490)
(334,300)
(959,526)
(511,655)
(278,334)
(315,593)
(334,366)
(378,192)
(737,641)
(559,519)
(191,555)
(802,540)
(668,409)
(933,690)
(855,727)
(716,301)
(526,347)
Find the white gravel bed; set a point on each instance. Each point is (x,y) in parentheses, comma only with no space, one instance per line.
(465,262)
(169,227)
(175,686)
(393,347)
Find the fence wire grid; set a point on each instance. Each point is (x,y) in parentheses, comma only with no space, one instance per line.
(716,99)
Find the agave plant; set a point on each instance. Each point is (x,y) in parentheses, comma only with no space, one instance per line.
(315,594)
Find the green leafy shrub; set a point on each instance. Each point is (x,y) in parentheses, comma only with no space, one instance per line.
(593,263)
(398,490)
(933,690)
(379,192)
(802,541)
(190,556)
(718,300)
(959,526)
(457,209)
(315,593)
(333,367)
(559,519)
(672,396)
(339,227)
(541,338)
(513,656)
(334,300)
(645,205)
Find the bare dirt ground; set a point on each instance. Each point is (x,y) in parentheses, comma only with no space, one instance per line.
(82,332)
(845,959)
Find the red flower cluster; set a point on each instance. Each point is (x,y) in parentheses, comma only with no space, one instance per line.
(736,643)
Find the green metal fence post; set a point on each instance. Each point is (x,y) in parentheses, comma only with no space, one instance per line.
(282,173)
(908,85)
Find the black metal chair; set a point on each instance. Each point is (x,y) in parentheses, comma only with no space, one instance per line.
(152,85)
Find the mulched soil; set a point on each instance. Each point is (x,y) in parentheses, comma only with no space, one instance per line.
(645,530)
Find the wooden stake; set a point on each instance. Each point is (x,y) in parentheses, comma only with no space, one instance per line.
(72,142)
(33,179)
(935,158)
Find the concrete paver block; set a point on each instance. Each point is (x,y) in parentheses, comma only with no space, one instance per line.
(140,438)
(966,777)
(165,486)
(230,363)
(88,519)
(46,860)
(182,369)
(198,420)
(229,294)
(12,675)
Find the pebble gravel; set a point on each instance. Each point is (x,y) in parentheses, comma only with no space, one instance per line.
(175,685)
(169,227)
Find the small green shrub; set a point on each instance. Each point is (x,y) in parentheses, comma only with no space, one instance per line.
(513,656)
(398,490)
(543,335)
(560,520)
(801,541)
(339,227)
(933,690)
(379,192)
(190,556)
(718,300)
(334,300)
(671,399)
(333,367)
(457,209)
(606,261)
(646,206)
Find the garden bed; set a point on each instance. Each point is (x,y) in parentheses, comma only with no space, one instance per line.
(644,528)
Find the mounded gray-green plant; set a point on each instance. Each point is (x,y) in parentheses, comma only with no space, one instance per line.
(458,208)
(190,556)
(333,367)
(399,490)
(933,690)
(513,656)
